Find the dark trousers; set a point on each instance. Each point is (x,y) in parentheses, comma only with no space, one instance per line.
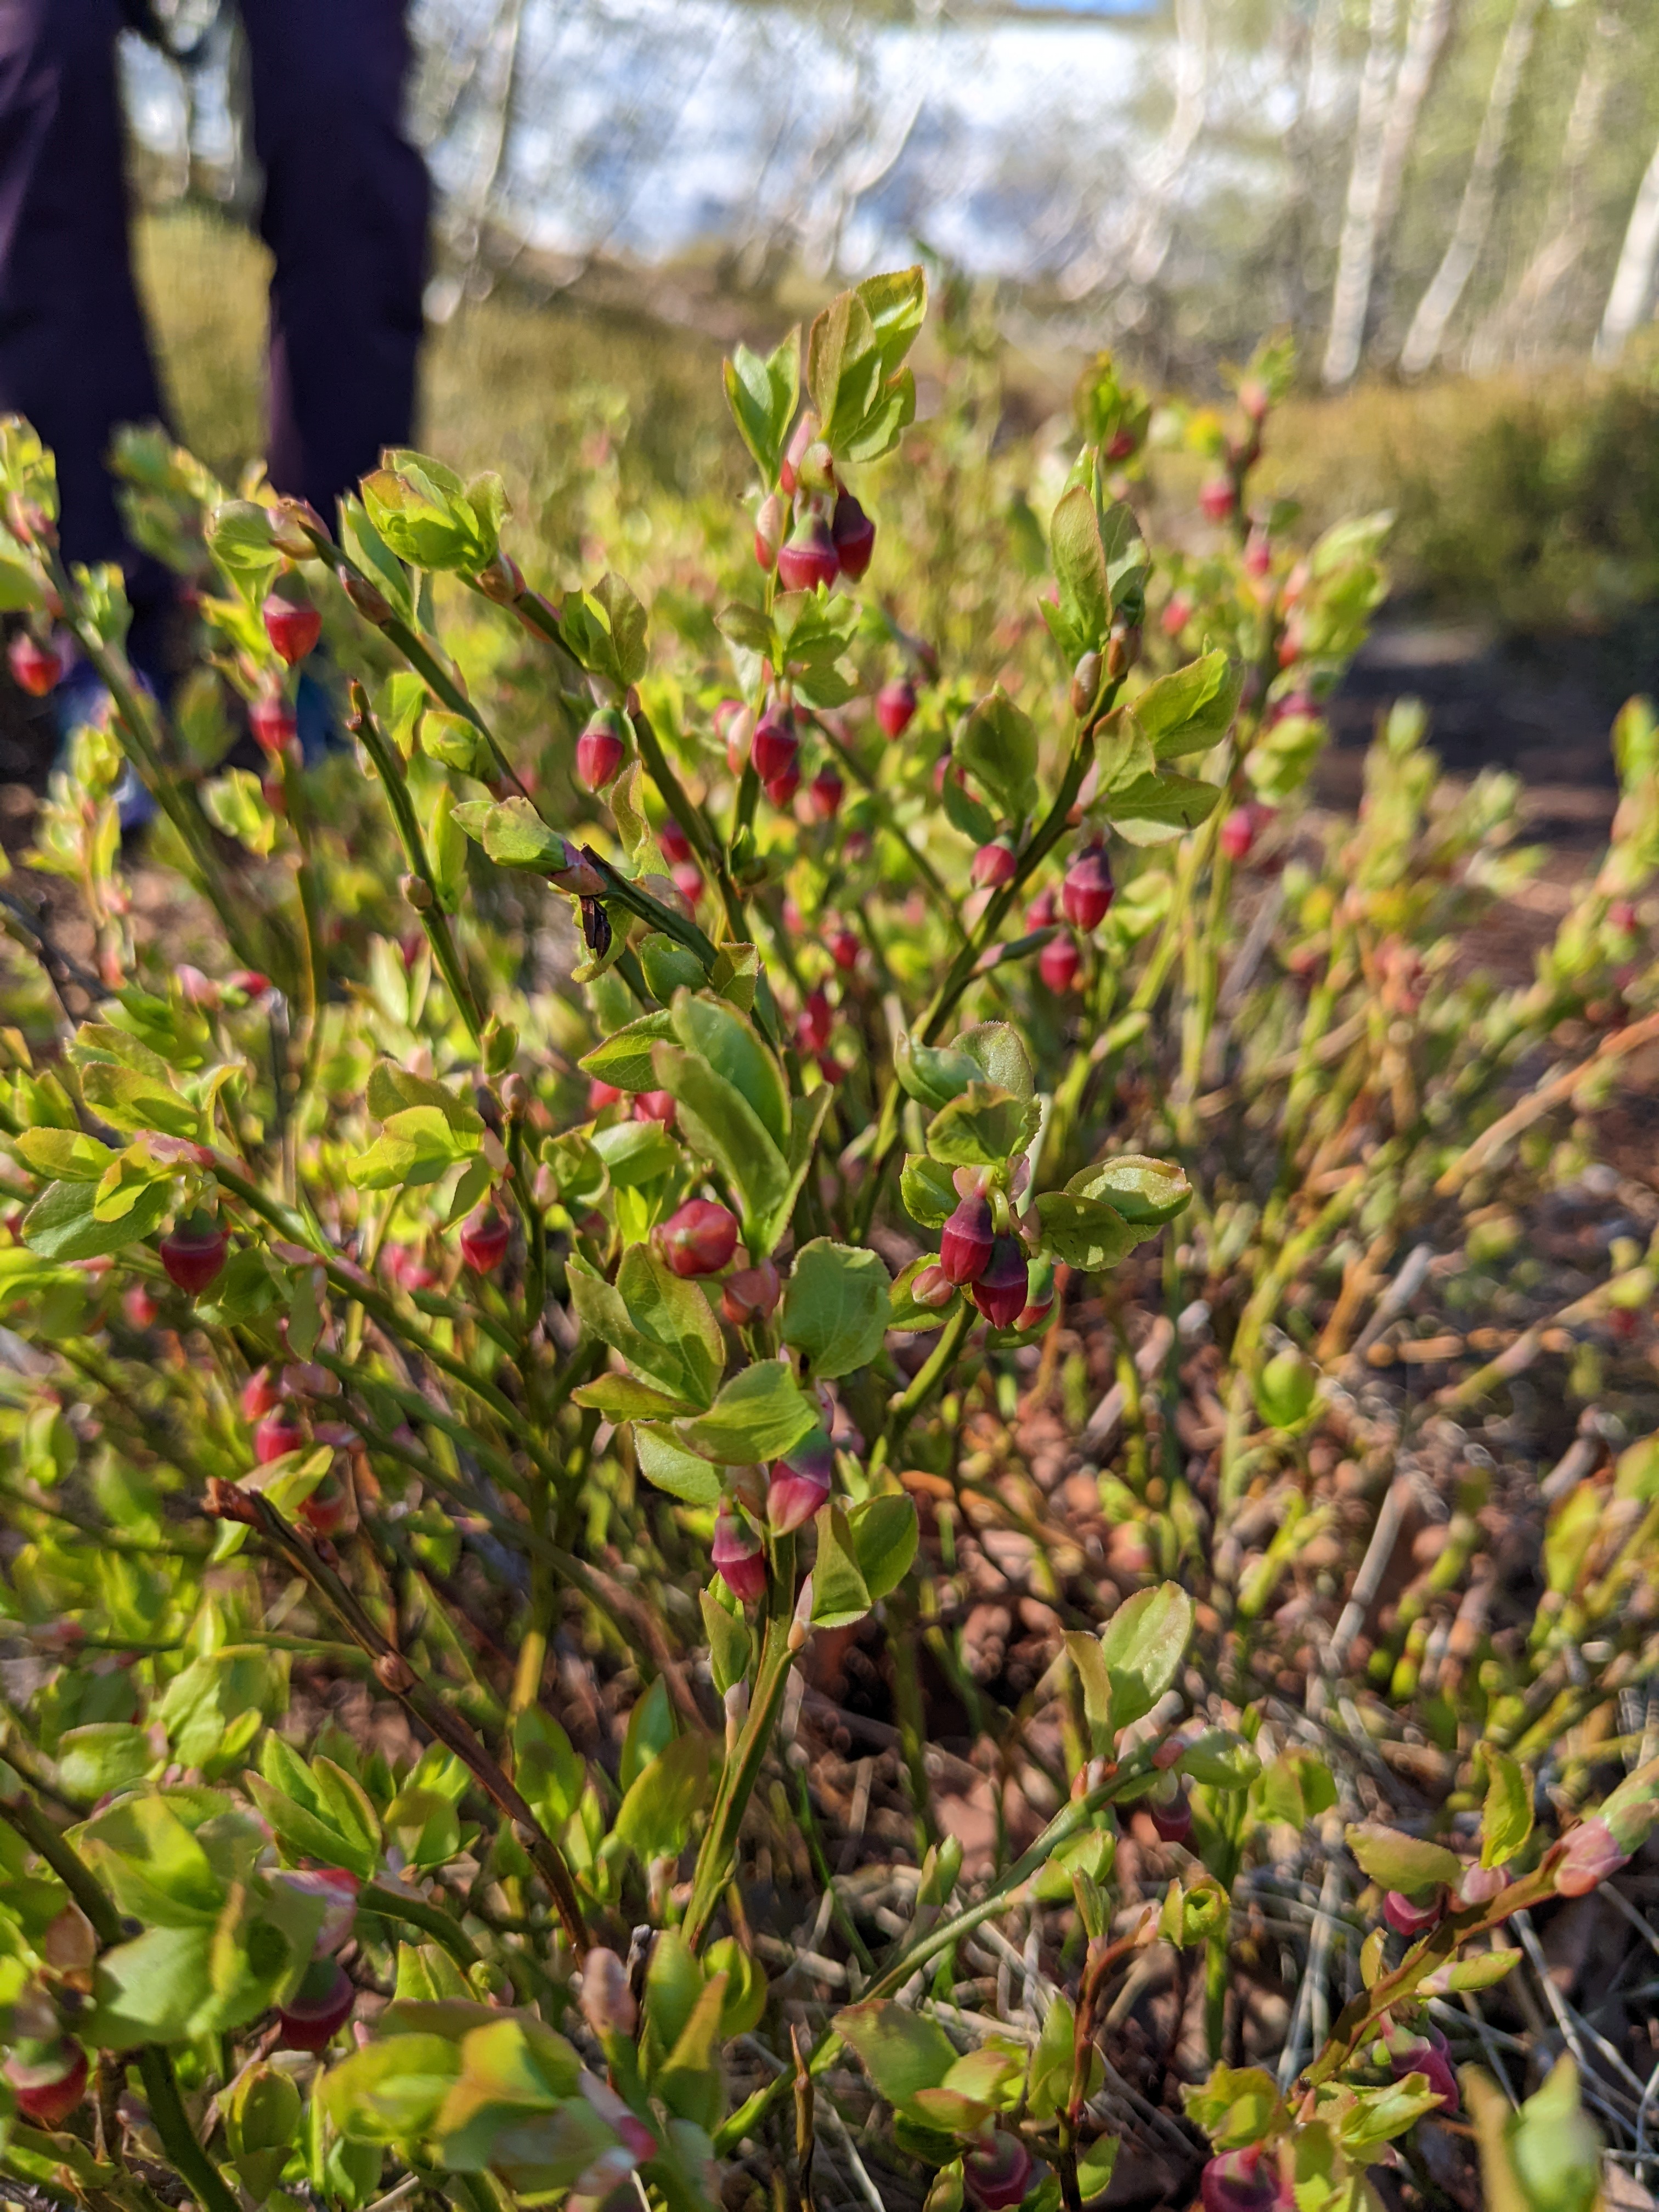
(345,217)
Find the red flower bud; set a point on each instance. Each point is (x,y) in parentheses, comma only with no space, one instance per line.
(998,2173)
(654,1106)
(931,1287)
(896,702)
(1592,1854)
(688,881)
(1085,896)
(1409,1918)
(337,1891)
(1430,2054)
(37,669)
(966,1241)
(752,1294)
(1178,613)
(813,1024)
(1254,399)
(1121,444)
(768,531)
(1002,1286)
(607,2002)
(1258,554)
(292,625)
(676,845)
(601,1095)
(1058,963)
(484,1241)
(804,434)
(780,789)
(808,561)
(1219,497)
(700,1239)
(319,2009)
(800,1484)
(854,536)
(261,1394)
(48,2090)
(271,720)
(739,734)
(1240,2181)
(1480,1885)
(1174,1820)
(824,794)
(1621,914)
(279,1433)
(775,748)
(1237,834)
(994,865)
(738,1557)
(1042,912)
(601,749)
(193,1254)
(842,946)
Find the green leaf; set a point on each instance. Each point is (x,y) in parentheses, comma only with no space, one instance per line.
(843,368)
(905,1314)
(1080,560)
(720,1125)
(392,1090)
(1095,2167)
(929,1196)
(1154,809)
(808,1120)
(1142,1645)
(660,1325)
(762,396)
(1400,1862)
(61,1224)
(760,1414)
(655,1816)
(732,1047)
(689,2081)
(1085,1233)
(1220,1758)
(130,1099)
(101,1757)
(1143,1192)
(885,1537)
(151,1989)
(606,629)
(997,745)
(902,2050)
(731,1647)
(983,1127)
(1506,1816)
(391,2090)
(1238,2105)
(623,1058)
(996,1049)
(896,304)
(625,1398)
(636,1152)
(840,1595)
(931,1074)
(1376,2116)
(835,1307)
(68,1154)
(515,836)
(1482,1971)
(1188,711)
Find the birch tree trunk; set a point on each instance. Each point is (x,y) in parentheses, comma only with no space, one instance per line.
(1631,294)
(1440,303)
(1376,182)
(1564,232)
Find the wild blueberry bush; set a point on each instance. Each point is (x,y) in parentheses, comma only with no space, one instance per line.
(841,1159)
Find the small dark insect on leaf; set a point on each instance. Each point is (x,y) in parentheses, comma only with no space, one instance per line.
(596,928)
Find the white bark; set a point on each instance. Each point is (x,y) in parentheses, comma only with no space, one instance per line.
(1565,231)
(1440,303)
(1138,250)
(1630,297)
(1381,149)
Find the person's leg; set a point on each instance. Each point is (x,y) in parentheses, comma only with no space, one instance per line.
(345,216)
(74,356)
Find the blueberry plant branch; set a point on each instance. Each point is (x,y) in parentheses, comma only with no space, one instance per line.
(393,1672)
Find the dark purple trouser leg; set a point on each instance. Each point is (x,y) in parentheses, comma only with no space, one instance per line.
(345,214)
(74,356)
